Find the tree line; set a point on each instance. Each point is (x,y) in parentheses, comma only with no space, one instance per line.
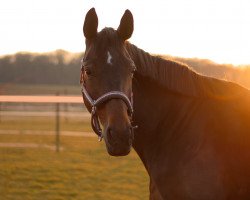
(63,68)
(57,68)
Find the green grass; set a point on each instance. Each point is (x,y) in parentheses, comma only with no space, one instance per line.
(44,124)
(29,89)
(83,170)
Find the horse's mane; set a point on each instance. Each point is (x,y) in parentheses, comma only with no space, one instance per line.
(179,78)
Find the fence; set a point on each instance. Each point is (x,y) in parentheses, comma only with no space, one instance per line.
(55,101)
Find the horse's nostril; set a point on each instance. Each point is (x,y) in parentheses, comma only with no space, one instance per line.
(125,136)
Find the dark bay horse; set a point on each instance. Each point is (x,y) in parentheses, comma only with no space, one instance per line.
(193,133)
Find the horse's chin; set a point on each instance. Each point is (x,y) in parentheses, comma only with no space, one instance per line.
(118,148)
(118,151)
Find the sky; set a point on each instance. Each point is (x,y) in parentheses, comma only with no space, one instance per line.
(218,30)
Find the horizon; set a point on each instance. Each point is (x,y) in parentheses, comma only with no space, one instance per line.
(217,30)
(165,56)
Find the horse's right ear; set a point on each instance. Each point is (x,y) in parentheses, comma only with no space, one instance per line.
(90,24)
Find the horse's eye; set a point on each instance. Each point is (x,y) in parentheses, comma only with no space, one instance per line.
(87,71)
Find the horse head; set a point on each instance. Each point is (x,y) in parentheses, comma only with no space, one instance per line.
(107,73)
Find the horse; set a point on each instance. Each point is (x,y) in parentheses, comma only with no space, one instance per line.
(191,132)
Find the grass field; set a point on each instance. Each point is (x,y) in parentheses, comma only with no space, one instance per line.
(44,124)
(29,89)
(82,170)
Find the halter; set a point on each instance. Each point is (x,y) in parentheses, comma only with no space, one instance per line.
(101,100)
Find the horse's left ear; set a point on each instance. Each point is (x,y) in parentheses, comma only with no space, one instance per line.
(126,26)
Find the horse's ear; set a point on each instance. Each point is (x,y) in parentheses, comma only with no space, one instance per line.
(90,24)
(126,26)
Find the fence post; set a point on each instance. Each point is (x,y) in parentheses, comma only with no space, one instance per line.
(57,127)
(0,112)
(65,107)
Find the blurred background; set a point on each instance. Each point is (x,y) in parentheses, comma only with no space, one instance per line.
(47,147)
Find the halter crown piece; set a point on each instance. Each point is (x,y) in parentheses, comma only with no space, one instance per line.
(101,100)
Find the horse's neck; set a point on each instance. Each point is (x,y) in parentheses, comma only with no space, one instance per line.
(153,106)
(158,114)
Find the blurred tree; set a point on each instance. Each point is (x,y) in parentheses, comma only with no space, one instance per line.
(63,68)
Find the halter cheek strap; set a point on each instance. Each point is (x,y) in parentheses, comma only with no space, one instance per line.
(101,100)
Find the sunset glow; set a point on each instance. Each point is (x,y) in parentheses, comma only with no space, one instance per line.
(216,29)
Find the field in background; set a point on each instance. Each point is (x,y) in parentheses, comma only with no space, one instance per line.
(29,89)
(82,170)
(31,169)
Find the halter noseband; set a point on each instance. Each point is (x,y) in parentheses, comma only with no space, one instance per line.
(101,100)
